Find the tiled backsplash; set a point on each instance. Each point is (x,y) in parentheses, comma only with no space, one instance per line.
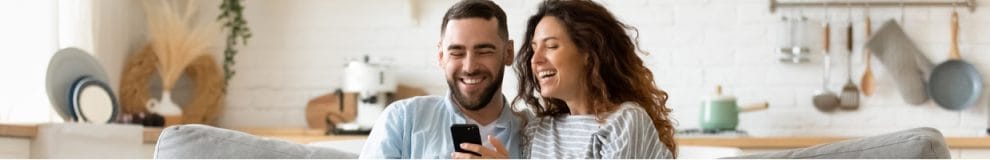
(299,49)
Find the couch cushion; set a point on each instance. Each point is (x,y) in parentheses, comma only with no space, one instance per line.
(205,142)
(926,143)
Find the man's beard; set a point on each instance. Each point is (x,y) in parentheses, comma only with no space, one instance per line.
(486,94)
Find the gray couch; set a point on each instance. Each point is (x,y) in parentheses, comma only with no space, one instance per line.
(205,142)
(918,143)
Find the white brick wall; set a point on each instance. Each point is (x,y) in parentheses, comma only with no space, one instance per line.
(300,46)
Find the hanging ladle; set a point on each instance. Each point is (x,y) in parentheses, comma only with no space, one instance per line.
(825,100)
(866,83)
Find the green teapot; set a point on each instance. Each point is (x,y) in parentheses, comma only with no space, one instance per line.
(720,112)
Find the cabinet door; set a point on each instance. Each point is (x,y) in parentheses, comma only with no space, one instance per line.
(974,153)
(15,148)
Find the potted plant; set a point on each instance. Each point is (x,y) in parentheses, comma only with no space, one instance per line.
(232,17)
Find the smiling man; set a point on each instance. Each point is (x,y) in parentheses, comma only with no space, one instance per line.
(473,52)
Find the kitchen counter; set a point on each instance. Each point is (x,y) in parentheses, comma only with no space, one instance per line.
(800,142)
(18,131)
(301,135)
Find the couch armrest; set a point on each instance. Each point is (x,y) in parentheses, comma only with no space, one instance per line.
(205,142)
(926,143)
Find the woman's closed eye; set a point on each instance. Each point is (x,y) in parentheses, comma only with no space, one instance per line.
(552,46)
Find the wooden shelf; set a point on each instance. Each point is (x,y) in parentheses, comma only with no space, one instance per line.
(18,131)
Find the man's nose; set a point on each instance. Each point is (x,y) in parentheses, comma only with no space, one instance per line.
(471,63)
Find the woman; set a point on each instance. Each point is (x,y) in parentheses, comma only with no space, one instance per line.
(596,98)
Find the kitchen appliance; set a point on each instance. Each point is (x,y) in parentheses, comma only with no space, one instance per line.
(955,84)
(374,85)
(720,112)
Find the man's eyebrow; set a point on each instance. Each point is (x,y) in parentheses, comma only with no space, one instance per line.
(484,45)
(455,46)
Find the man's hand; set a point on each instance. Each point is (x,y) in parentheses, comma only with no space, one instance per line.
(499,152)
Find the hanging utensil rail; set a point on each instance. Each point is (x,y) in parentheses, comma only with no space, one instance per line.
(774,4)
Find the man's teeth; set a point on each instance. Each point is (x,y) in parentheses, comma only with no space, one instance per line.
(472,81)
(544,74)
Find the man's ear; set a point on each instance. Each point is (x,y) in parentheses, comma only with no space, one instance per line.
(440,54)
(510,53)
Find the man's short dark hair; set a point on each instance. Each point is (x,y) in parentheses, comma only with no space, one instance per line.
(484,9)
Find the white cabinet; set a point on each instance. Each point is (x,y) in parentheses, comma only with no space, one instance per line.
(15,148)
(80,140)
(969,153)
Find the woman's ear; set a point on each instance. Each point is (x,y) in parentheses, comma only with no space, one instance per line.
(587,58)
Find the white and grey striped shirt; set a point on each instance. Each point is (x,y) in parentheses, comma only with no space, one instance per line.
(627,133)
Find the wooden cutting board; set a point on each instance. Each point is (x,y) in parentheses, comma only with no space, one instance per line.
(325,109)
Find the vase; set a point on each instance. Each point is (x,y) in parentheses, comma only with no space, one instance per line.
(164,106)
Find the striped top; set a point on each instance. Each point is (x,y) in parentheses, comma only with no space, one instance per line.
(627,133)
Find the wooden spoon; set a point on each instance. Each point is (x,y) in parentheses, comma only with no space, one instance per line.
(866,83)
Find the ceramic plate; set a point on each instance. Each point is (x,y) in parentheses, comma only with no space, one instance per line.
(93,101)
(65,67)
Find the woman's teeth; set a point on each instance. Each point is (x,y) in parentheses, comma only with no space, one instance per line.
(471,81)
(545,74)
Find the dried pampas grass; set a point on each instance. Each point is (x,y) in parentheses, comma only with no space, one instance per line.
(175,39)
(206,104)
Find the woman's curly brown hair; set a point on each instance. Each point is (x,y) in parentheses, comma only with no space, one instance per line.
(616,74)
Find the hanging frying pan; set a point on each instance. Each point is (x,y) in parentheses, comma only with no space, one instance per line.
(955,84)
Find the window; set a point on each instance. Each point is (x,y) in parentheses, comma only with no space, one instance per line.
(32,31)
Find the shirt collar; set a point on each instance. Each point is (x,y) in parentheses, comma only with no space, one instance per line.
(504,119)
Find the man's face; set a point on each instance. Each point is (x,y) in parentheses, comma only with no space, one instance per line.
(472,56)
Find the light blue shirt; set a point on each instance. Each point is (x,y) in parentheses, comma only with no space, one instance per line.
(419,128)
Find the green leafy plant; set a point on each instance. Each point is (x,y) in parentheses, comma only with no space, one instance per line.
(232,17)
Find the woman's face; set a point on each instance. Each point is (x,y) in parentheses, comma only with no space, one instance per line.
(557,64)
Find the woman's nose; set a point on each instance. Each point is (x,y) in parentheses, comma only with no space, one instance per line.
(539,56)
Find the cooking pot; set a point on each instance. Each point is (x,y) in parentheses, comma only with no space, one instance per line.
(721,112)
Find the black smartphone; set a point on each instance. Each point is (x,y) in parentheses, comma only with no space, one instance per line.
(465,133)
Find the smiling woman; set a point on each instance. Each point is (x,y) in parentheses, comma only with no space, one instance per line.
(591,94)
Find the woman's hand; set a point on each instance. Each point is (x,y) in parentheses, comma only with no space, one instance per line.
(499,152)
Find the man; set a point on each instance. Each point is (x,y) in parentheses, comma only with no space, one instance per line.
(473,52)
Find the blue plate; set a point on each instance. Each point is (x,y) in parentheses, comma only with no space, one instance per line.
(92,101)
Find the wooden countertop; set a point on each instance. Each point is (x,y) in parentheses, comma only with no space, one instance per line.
(300,135)
(18,130)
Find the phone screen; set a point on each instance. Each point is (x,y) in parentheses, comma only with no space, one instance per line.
(465,133)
